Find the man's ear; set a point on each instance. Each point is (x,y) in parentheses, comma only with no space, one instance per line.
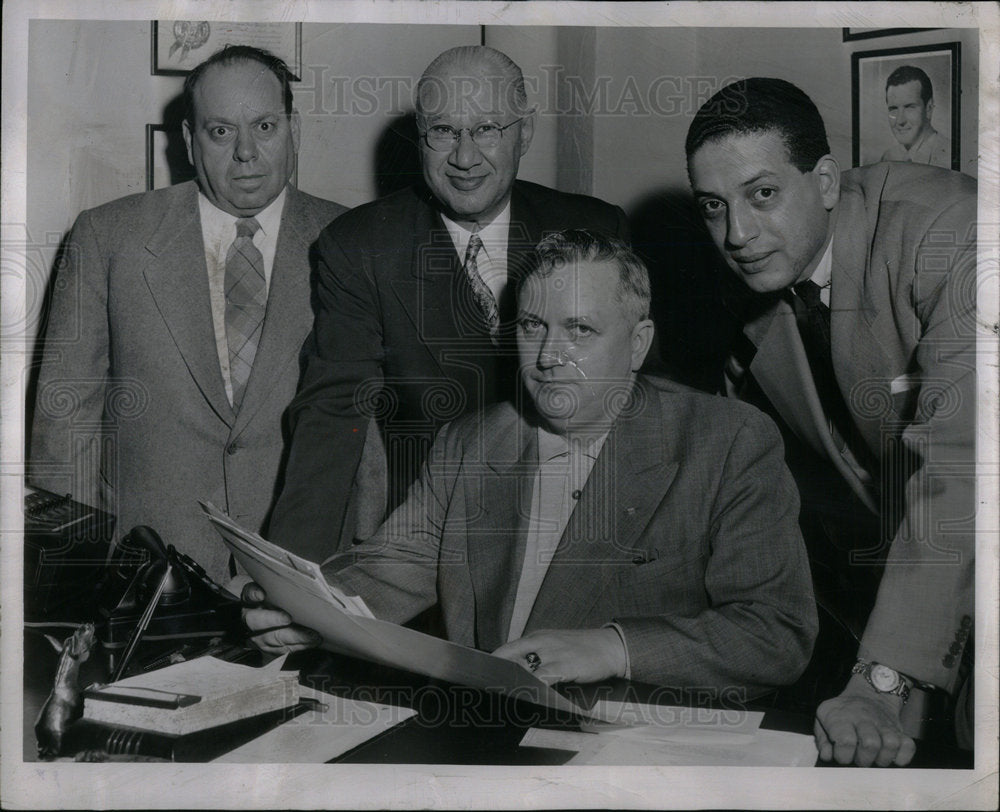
(527,131)
(827,174)
(642,340)
(296,124)
(930,108)
(186,129)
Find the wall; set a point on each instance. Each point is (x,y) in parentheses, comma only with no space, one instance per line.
(613,108)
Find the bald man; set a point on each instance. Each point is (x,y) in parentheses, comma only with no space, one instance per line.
(414,325)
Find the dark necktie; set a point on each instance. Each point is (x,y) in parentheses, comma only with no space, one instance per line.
(246,300)
(814,320)
(484,296)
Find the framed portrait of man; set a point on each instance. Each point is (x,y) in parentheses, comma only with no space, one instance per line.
(906,105)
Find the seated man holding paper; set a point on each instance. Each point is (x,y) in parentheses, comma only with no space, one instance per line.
(610,525)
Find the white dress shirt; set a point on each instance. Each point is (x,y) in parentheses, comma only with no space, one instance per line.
(491,262)
(218,230)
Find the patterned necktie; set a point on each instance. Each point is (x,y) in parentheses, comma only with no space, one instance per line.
(246,298)
(484,296)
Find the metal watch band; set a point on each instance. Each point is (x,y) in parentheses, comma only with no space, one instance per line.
(902,690)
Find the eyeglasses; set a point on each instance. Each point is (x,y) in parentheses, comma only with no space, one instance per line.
(442,138)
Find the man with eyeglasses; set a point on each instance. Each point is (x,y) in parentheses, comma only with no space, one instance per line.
(414,318)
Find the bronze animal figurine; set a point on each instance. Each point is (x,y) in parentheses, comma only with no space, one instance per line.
(63,705)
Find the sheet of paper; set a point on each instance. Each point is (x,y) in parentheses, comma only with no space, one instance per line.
(765,748)
(304,594)
(673,723)
(318,736)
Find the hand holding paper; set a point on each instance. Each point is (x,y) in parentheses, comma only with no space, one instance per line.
(272,630)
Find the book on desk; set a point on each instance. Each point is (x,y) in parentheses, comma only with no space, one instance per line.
(191,696)
(192,710)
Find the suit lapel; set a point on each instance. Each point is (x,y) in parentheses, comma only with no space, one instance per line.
(287,320)
(426,292)
(524,234)
(856,320)
(499,502)
(781,369)
(178,282)
(630,477)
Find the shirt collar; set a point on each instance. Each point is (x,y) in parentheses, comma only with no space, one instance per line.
(551,445)
(219,221)
(493,234)
(824,270)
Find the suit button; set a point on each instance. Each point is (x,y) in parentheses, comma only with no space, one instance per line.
(948,661)
(577,494)
(232,448)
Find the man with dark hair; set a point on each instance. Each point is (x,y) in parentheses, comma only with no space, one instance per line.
(414,324)
(861,336)
(177,321)
(612,525)
(909,98)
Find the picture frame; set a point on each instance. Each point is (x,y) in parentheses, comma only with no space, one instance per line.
(178,45)
(853,34)
(921,135)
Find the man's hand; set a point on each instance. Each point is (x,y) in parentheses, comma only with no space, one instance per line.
(862,727)
(271,630)
(587,655)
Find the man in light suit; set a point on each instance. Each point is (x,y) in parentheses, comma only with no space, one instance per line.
(610,525)
(163,381)
(862,337)
(412,327)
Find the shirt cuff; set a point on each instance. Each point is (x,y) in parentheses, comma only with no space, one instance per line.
(621,636)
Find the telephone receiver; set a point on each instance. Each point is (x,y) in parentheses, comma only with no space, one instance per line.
(177,588)
(190,604)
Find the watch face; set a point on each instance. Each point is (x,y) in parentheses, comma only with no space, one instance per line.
(884,678)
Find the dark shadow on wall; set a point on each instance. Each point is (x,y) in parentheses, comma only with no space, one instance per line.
(688,279)
(397,156)
(176,153)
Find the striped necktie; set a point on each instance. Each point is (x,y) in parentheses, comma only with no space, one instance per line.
(484,296)
(246,299)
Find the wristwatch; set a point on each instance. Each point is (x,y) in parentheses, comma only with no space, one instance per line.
(883,679)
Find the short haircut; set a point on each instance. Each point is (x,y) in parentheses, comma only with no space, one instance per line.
(232,54)
(577,245)
(481,60)
(905,74)
(760,105)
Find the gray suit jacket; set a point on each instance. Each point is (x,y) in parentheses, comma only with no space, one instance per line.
(685,534)
(131,412)
(903,336)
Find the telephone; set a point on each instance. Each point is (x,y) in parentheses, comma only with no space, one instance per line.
(190,606)
(71,575)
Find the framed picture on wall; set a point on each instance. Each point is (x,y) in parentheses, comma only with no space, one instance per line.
(851,34)
(179,45)
(906,105)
